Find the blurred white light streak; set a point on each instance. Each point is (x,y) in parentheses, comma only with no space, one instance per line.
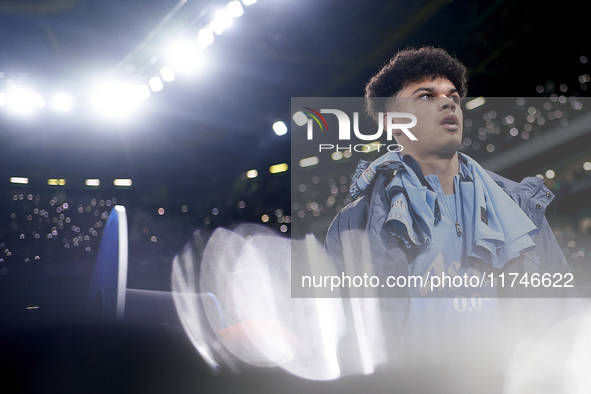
(252,174)
(248,2)
(248,272)
(188,307)
(365,310)
(327,323)
(557,361)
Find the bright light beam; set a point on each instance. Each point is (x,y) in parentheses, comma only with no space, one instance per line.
(114,100)
(21,101)
(205,38)
(143,92)
(225,18)
(62,102)
(185,56)
(216,26)
(235,9)
(167,74)
(156,84)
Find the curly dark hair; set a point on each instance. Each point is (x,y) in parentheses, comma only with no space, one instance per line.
(412,65)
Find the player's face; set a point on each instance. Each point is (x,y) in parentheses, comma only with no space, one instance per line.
(436,104)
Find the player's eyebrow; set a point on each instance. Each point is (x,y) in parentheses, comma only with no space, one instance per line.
(431,89)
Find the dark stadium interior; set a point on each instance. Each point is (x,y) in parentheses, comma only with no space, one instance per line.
(189,149)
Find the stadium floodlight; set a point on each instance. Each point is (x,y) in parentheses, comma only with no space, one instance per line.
(550,174)
(336,155)
(248,2)
(277,168)
(19,180)
(93,182)
(184,56)
(475,103)
(167,74)
(56,182)
(252,174)
(205,38)
(235,9)
(122,182)
(62,102)
(115,100)
(21,100)
(224,17)
(156,84)
(216,26)
(279,128)
(309,161)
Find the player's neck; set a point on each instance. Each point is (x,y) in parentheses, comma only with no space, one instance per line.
(444,167)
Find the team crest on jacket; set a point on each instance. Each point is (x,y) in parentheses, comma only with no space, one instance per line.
(368,174)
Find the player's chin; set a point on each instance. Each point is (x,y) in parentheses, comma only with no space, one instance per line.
(452,147)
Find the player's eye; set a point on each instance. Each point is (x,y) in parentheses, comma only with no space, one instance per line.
(426,96)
